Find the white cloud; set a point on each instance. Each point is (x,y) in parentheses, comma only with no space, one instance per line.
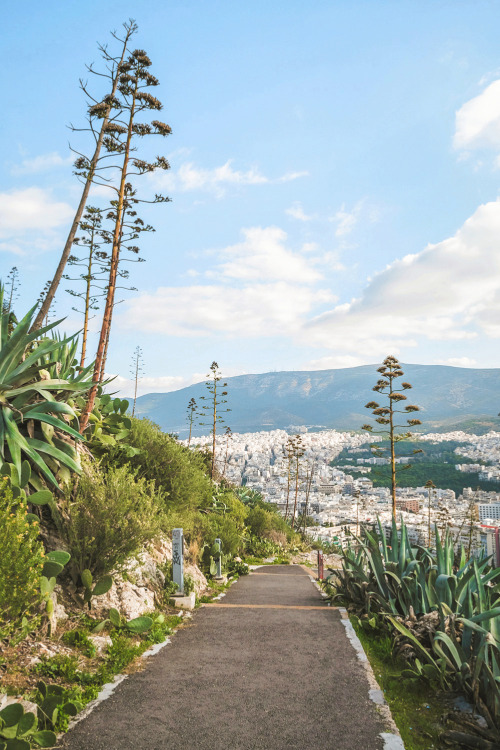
(263,256)
(297,212)
(346,220)
(43,163)
(29,219)
(189,177)
(457,362)
(31,208)
(477,122)
(270,309)
(449,291)
(164,384)
(334,362)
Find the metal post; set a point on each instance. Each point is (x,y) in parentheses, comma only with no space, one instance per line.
(219,559)
(178,559)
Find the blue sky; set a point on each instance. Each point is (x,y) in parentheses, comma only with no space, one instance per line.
(334,180)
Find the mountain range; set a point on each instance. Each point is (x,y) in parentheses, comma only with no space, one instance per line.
(449,398)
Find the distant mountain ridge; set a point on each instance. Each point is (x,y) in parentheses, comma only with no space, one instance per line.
(449,397)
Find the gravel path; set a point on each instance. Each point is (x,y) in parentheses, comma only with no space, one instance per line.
(280,675)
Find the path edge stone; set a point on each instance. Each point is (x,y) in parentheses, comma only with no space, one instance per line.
(392,739)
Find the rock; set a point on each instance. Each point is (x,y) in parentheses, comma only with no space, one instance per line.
(101,642)
(59,613)
(128,598)
(8,700)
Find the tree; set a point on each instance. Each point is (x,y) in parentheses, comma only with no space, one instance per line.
(136,370)
(387,415)
(119,142)
(93,236)
(191,416)
(214,408)
(100,118)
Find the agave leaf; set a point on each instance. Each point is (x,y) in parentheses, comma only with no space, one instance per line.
(43,447)
(54,422)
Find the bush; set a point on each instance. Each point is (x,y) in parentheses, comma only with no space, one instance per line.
(21,561)
(178,471)
(111,515)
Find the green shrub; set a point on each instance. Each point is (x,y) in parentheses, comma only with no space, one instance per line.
(229,531)
(109,517)
(21,561)
(178,471)
(238,568)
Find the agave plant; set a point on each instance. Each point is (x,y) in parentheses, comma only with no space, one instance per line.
(36,390)
(405,584)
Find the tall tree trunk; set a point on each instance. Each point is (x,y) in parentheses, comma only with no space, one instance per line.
(44,309)
(113,271)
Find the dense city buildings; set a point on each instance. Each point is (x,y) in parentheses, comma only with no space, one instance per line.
(339,501)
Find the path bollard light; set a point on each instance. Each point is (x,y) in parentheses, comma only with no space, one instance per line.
(218,561)
(178,559)
(320,565)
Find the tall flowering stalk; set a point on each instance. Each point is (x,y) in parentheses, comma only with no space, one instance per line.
(387,415)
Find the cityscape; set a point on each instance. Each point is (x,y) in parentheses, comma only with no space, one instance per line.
(342,501)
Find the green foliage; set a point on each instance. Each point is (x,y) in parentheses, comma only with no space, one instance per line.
(35,393)
(435,460)
(19,730)
(238,568)
(91,589)
(56,666)
(21,561)
(177,471)
(229,531)
(137,625)
(54,706)
(80,639)
(109,516)
(109,427)
(400,582)
(416,707)
(258,547)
